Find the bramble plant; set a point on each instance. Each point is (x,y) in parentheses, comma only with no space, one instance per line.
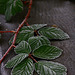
(32,41)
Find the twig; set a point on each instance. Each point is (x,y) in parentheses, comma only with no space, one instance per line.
(6,53)
(15,36)
(7,31)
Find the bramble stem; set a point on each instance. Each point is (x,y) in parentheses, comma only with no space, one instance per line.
(15,36)
(6,53)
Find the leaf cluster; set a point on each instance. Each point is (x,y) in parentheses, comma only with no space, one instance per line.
(33,41)
(41,30)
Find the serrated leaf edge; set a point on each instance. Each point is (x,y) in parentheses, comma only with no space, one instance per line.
(60,30)
(14,57)
(40,45)
(19,43)
(51,58)
(20,62)
(65,73)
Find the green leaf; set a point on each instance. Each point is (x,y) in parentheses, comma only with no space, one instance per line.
(38,26)
(16,60)
(33,27)
(24,68)
(53,33)
(13,7)
(23,47)
(38,41)
(29,28)
(3,6)
(47,52)
(24,34)
(50,68)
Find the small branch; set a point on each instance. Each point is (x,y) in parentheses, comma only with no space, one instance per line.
(32,58)
(23,21)
(6,53)
(7,31)
(15,36)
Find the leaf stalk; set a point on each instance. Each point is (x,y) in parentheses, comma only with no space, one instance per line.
(32,58)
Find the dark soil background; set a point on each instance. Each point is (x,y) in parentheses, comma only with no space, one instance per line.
(58,12)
